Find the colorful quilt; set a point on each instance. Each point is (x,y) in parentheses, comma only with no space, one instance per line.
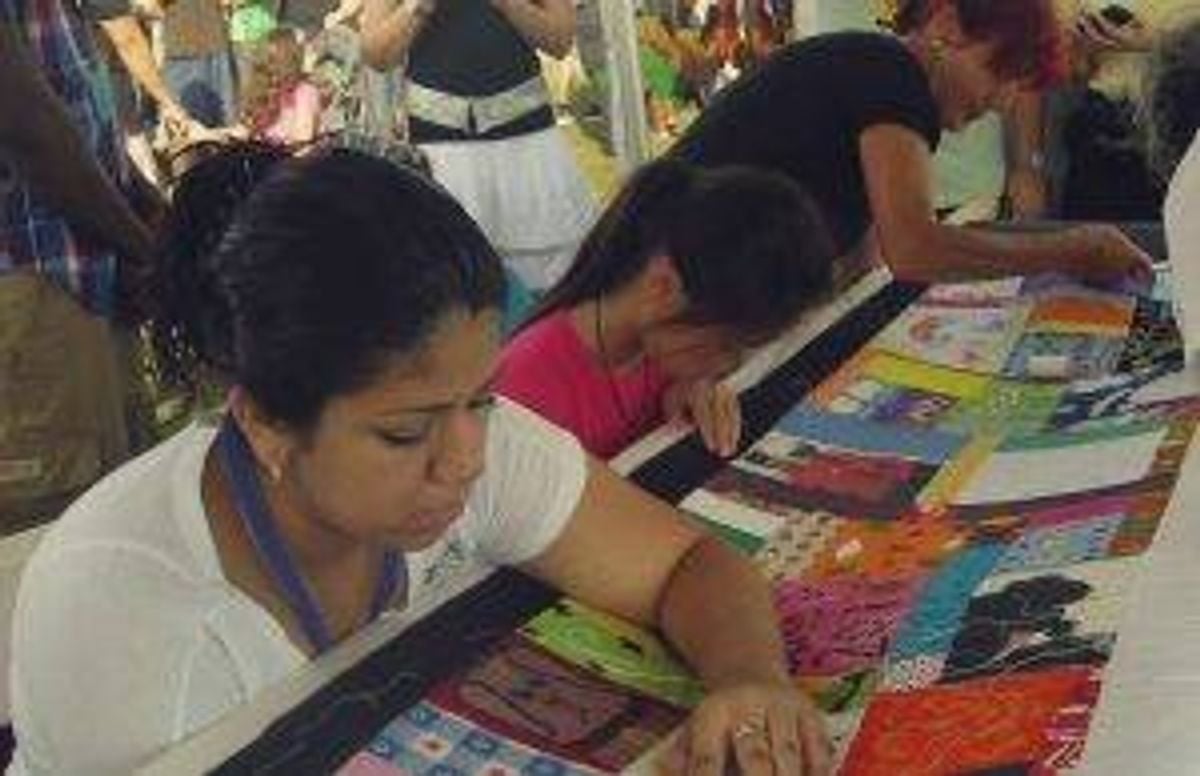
(951,525)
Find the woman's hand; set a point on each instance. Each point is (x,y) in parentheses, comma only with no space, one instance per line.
(765,729)
(1111,259)
(713,408)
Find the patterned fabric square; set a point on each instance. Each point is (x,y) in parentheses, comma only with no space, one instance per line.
(913,673)
(1032,621)
(1062,545)
(915,544)
(743,541)
(429,741)
(875,401)
(936,616)
(971,727)
(839,626)
(974,339)
(369,764)
(1082,312)
(1050,355)
(616,650)
(522,692)
(1153,339)
(1005,407)
(1107,397)
(791,551)
(799,475)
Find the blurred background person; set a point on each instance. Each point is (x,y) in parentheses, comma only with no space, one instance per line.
(279,102)
(198,60)
(1172,113)
(478,106)
(68,236)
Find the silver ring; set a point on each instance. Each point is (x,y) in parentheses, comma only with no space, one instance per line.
(754,726)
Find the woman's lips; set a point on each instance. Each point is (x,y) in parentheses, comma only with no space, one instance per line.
(431,520)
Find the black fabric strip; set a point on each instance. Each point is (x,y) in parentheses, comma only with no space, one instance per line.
(331,726)
(682,468)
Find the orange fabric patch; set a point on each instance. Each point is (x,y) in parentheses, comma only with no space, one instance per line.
(989,723)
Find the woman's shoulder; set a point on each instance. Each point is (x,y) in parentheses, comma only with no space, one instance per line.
(544,346)
(146,515)
(552,328)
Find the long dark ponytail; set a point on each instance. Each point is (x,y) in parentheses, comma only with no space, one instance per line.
(618,246)
(750,246)
(190,328)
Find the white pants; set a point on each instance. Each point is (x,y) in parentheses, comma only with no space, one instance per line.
(526,193)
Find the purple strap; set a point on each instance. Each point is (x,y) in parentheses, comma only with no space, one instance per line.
(237,462)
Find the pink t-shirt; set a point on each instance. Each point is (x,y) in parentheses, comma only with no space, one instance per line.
(550,370)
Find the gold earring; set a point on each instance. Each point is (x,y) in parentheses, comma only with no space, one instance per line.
(937,51)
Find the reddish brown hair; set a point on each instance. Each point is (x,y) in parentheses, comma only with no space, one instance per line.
(1028,37)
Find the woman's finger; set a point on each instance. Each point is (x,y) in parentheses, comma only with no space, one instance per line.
(732,423)
(752,746)
(720,411)
(706,746)
(703,415)
(818,749)
(786,747)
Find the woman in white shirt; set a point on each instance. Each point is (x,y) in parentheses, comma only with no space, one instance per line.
(353,310)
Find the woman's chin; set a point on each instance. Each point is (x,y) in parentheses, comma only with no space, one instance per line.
(422,530)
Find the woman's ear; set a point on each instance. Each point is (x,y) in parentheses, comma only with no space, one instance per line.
(271,442)
(662,293)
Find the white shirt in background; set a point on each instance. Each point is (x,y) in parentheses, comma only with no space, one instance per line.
(969,166)
(128,636)
(1181,217)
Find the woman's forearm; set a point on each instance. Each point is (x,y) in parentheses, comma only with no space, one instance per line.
(940,253)
(717,612)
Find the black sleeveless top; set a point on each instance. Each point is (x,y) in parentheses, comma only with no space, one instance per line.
(469,49)
(802,113)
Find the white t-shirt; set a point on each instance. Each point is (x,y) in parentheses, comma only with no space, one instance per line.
(1181,217)
(128,637)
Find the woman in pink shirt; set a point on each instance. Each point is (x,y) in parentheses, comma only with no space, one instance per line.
(280,104)
(685,269)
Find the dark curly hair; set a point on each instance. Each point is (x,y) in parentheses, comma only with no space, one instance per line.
(299,278)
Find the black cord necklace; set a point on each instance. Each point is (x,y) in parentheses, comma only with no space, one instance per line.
(606,363)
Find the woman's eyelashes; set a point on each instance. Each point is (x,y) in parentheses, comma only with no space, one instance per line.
(408,437)
(405,438)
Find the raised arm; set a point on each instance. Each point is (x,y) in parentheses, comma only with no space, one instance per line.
(548,25)
(37,135)
(389,29)
(133,47)
(896,165)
